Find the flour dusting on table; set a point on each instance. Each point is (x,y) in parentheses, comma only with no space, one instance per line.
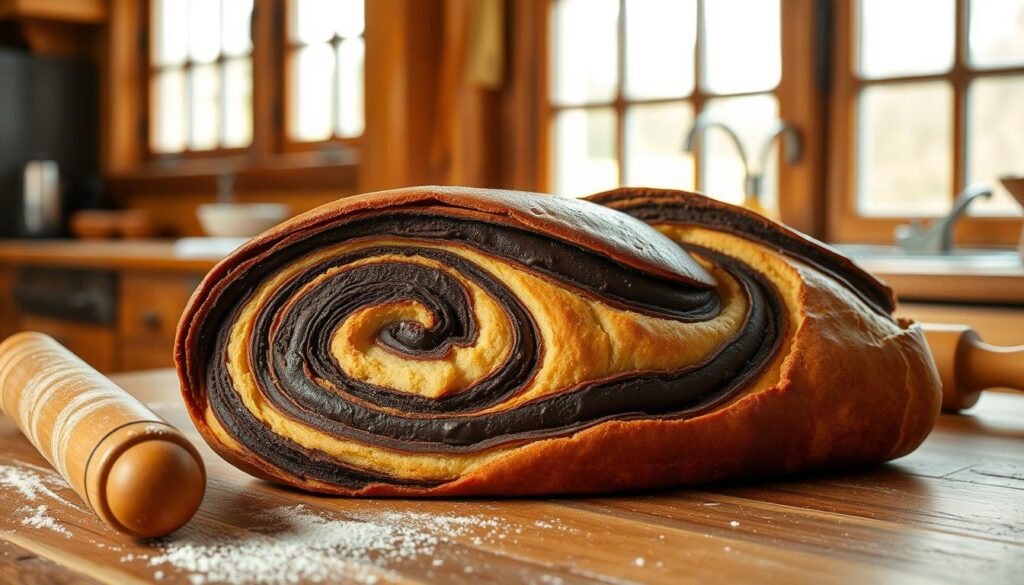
(298,544)
(287,544)
(30,483)
(33,484)
(39,517)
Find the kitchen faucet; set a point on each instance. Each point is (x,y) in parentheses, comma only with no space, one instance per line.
(938,237)
(753,182)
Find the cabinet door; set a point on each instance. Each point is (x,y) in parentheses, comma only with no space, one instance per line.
(95,344)
(8,312)
(150,305)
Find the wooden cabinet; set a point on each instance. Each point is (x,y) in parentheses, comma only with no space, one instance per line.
(96,344)
(149,307)
(8,312)
(139,337)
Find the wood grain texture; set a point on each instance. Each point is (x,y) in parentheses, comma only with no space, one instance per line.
(137,473)
(951,511)
(139,254)
(96,344)
(18,565)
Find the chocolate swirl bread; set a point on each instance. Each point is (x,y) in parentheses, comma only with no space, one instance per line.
(440,341)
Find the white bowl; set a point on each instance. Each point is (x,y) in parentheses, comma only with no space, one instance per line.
(240,220)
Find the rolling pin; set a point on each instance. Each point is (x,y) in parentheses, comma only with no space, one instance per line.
(967,365)
(140,475)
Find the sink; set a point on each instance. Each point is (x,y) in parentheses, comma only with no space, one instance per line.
(885,258)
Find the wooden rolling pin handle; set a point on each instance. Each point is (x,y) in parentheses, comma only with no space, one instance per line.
(967,365)
(138,473)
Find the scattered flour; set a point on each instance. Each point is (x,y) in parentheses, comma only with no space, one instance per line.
(297,544)
(734,523)
(289,544)
(34,484)
(31,483)
(40,519)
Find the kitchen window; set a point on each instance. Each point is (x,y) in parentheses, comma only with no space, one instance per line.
(890,131)
(202,97)
(200,79)
(628,78)
(914,123)
(325,59)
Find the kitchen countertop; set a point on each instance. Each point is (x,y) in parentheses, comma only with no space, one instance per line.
(951,511)
(925,282)
(102,254)
(934,281)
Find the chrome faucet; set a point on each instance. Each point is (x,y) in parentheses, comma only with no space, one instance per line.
(937,238)
(753,181)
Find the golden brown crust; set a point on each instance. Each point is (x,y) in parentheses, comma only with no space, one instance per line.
(846,386)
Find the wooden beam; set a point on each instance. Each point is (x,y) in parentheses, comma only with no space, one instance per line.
(802,103)
(73,11)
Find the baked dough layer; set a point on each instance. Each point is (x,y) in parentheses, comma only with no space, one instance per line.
(440,341)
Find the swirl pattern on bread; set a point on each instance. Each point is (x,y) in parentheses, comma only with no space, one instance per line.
(441,341)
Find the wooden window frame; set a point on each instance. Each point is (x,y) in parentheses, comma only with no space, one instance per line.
(799,94)
(149,71)
(129,164)
(288,46)
(844,222)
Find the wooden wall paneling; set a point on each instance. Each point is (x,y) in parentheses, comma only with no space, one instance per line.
(8,311)
(57,38)
(268,85)
(520,142)
(464,146)
(73,11)
(403,44)
(802,102)
(121,135)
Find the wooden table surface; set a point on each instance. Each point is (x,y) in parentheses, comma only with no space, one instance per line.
(953,511)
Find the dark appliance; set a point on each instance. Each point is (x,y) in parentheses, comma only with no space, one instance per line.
(48,112)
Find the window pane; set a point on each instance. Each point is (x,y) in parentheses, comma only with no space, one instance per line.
(170,32)
(312,75)
(350,88)
(204,30)
(585,152)
(906,37)
(235,28)
(654,146)
(995,126)
(237,103)
(904,149)
(168,122)
(584,41)
(351,21)
(742,48)
(660,41)
(313,21)
(996,36)
(204,102)
(752,118)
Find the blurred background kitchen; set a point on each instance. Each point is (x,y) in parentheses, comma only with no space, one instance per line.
(139,140)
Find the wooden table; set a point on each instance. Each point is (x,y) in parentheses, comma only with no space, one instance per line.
(952,511)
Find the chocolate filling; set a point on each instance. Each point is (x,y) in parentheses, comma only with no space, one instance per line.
(290,357)
(288,351)
(654,206)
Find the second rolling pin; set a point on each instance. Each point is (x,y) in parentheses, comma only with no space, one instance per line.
(139,474)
